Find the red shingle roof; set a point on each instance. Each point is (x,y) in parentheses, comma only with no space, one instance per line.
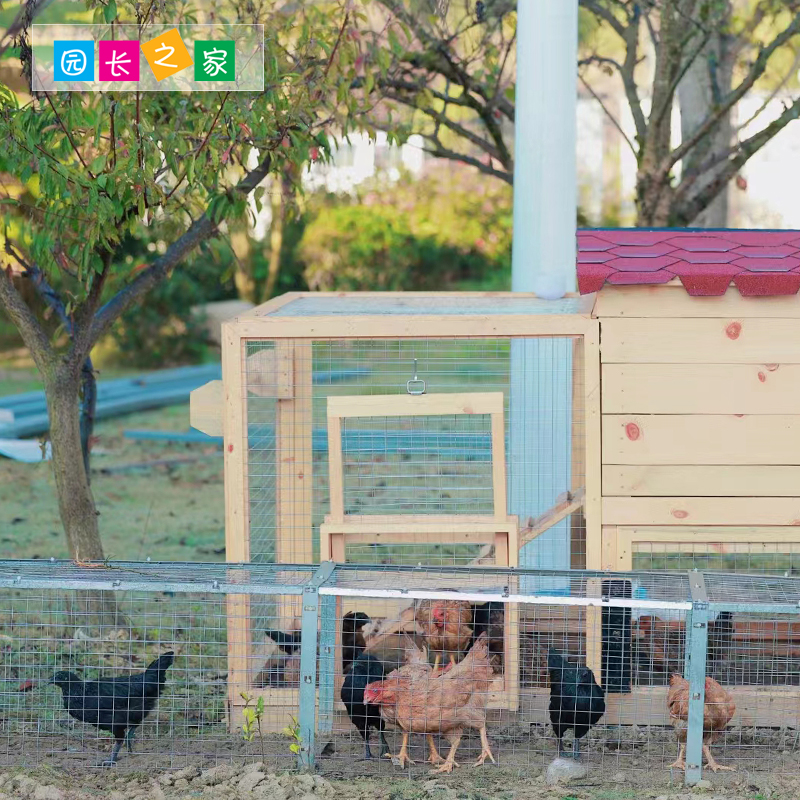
(759,263)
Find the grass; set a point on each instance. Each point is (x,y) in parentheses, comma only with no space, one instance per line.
(167,513)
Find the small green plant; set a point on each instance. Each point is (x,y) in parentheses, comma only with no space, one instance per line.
(253,714)
(293,732)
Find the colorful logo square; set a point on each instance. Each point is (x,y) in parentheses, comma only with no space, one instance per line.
(166,54)
(214,61)
(73,61)
(119,61)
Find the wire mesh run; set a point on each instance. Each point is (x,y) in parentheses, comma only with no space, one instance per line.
(398,464)
(293,665)
(637,645)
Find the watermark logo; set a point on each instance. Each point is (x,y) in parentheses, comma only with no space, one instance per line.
(167,54)
(123,58)
(214,61)
(74,61)
(119,61)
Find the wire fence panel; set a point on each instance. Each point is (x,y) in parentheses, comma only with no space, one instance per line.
(138,664)
(335,667)
(621,660)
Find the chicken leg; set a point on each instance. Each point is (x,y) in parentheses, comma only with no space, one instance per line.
(434,757)
(712,764)
(486,751)
(119,735)
(402,757)
(450,761)
(679,763)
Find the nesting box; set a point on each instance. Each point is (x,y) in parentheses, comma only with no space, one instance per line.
(651,422)
(440,429)
(700,357)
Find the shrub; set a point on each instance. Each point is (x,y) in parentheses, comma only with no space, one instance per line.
(434,233)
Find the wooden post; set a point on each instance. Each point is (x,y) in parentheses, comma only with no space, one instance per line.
(294,532)
(294,537)
(237,508)
(592,442)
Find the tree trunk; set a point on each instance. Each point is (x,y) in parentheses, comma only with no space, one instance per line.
(88,408)
(243,268)
(709,78)
(275,240)
(75,500)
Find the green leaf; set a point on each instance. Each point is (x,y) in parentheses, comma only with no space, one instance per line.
(110,11)
(294,748)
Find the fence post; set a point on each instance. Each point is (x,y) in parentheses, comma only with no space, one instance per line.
(327,665)
(308,665)
(697,648)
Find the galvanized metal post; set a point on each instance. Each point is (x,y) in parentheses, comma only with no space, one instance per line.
(308,665)
(697,647)
(327,665)
(308,677)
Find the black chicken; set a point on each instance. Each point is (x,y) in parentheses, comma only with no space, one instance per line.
(366,669)
(353,643)
(489,618)
(288,642)
(117,705)
(576,701)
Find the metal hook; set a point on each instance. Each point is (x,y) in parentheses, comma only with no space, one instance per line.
(415,385)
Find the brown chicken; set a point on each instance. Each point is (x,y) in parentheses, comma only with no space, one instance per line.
(446,626)
(447,703)
(718,710)
(416,668)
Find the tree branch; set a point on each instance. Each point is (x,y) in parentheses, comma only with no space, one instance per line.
(200,230)
(604,14)
(439,151)
(26,323)
(456,127)
(733,97)
(747,149)
(608,113)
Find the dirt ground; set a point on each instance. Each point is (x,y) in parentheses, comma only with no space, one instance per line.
(622,763)
(255,782)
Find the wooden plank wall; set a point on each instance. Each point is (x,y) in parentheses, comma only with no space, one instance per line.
(700,411)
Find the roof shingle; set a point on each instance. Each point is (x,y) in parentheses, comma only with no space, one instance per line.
(758,263)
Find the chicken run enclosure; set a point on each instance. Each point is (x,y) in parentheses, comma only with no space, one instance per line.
(639,627)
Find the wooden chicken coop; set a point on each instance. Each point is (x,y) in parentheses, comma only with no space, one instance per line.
(650,422)
(441,429)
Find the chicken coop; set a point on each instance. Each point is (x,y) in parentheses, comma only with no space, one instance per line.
(648,423)
(406,429)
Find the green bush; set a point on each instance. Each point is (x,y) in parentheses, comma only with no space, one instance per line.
(443,231)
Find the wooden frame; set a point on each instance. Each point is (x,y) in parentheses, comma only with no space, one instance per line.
(293,337)
(339,528)
(619,542)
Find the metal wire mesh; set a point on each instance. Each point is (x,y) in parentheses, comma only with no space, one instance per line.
(626,632)
(82,624)
(395,464)
(633,630)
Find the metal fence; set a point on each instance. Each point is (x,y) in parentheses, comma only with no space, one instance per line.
(81,624)
(291,693)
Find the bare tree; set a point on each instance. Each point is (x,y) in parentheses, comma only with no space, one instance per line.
(455,73)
